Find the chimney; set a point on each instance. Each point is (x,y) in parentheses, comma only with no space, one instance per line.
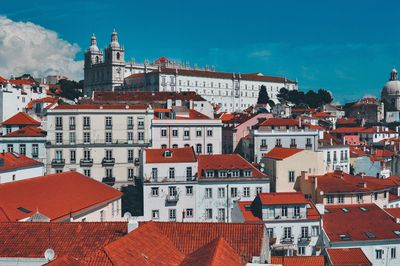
(365,185)
(132,225)
(299,122)
(331,140)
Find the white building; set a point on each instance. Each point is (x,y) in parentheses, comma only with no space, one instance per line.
(293,223)
(180,187)
(16,94)
(364,226)
(279,132)
(101,141)
(63,197)
(336,157)
(14,167)
(182,127)
(230,91)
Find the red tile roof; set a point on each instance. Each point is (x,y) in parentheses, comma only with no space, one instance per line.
(248,215)
(21,119)
(76,240)
(279,153)
(146,245)
(191,114)
(299,260)
(356,152)
(359,223)
(395,212)
(347,257)
(144,96)
(323,114)
(384,153)
(28,131)
(178,155)
(101,106)
(225,162)
(282,198)
(348,130)
(193,236)
(216,253)
(278,122)
(56,196)
(13,161)
(22,82)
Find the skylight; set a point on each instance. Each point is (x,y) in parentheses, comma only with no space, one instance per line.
(24,210)
(370,235)
(397,232)
(345,210)
(344,237)
(363,209)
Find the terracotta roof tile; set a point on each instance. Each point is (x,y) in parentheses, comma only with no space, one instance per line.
(364,222)
(178,155)
(13,161)
(279,153)
(299,260)
(143,96)
(395,212)
(101,106)
(76,240)
(225,162)
(21,119)
(280,122)
(282,198)
(347,257)
(56,196)
(28,131)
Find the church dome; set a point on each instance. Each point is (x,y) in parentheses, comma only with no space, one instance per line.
(392,87)
(114,40)
(93,44)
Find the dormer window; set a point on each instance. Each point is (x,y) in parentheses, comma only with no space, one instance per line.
(235,173)
(210,174)
(247,173)
(168,154)
(222,173)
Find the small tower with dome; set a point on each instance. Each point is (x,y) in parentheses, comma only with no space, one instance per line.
(391,92)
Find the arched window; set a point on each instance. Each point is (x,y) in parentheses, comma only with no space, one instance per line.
(198,148)
(97,59)
(164,146)
(175,146)
(118,56)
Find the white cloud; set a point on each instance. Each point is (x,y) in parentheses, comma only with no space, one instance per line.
(29,48)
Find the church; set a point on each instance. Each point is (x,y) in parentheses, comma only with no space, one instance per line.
(391,92)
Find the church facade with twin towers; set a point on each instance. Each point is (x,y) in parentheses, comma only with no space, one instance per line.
(108,71)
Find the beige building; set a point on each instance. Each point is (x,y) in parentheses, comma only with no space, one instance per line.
(285,165)
(101,141)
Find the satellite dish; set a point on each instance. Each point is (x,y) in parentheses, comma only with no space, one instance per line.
(127,215)
(49,254)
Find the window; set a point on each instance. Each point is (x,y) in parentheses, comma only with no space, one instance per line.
(287,232)
(278,143)
(247,173)
(130,155)
(59,123)
(221,192)
(189,190)
(189,213)
(10,148)
(378,254)
(109,172)
(270,232)
(189,173)
(221,215)
(375,195)
(59,138)
(131,176)
(263,143)
(108,124)
(175,132)
(209,215)
(359,198)
(108,137)
(130,136)
(393,253)
(86,137)
(334,156)
(186,133)
(209,148)
(86,122)
(284,211)
(198,148)
(209,132)
(35,150)
(174,146)
(163,146)
(210,173)
(154,173)
(292,142)
(208,193)
(163,132)
(172,191)
(102,216)
(171,173)
(340,199)
(328,156)
(86,155)
(87,172)
(296,210)
(140,135)
(172,214)
(301,250)
(130,122)
(234,192)
(222,173)
(308,142)
(258,190)
(22,149)
(304,231)
(140,123)
(109,155)
(291,176)
(155,214)
(154,192)
(59,155)
(198,132)
(72,137)
(315,230)
(330,199)
(72,156)
(235,173)
(246,192)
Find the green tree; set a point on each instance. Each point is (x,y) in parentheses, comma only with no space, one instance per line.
(71,89)
(263,97)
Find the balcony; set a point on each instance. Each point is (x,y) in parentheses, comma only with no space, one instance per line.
(293,146)
(304,240)
(140,126)
(263,147)
(137,162)
(129,127)
(58,163)
(287,240)
(308,146)
(59,127)
(86,127)
(108,126)
(109,180)
(172,198)
(35,155)
(86,162)
(72,127)
(278,145)
(108,162)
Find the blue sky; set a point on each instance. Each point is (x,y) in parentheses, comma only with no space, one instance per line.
(347,47)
